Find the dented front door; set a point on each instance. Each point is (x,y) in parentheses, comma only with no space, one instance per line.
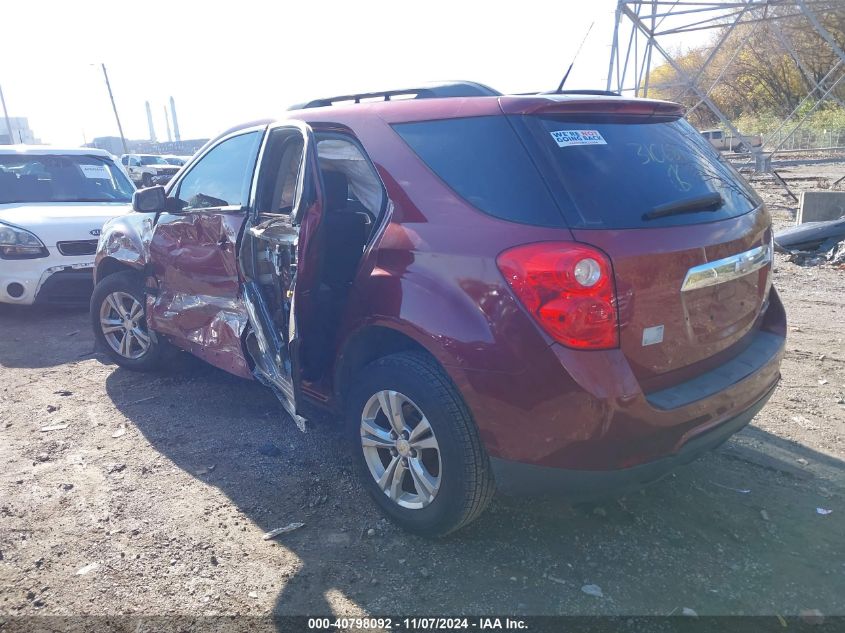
(197,303)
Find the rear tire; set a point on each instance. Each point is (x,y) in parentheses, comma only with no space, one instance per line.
(440,479)
(118,310)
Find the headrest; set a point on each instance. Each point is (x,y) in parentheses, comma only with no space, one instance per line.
(337,190)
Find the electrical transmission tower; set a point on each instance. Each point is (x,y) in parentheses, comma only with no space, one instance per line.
(648,33)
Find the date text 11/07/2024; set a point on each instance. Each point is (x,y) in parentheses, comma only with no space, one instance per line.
(418,624)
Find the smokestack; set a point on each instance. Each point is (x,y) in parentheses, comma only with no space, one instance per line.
(150,122)
(175,120)
(167,123)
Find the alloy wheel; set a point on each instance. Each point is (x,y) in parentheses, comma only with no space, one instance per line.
(400,449)
(123,325)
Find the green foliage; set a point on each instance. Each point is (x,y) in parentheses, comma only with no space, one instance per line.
(753,78)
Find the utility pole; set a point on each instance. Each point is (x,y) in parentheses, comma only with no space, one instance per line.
(114,107)
(6,116)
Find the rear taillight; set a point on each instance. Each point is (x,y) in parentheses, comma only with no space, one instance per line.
(568,288)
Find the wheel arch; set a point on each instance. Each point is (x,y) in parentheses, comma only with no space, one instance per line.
(366,345)
(109,266)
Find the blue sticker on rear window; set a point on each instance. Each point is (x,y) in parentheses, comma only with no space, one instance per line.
(565,138)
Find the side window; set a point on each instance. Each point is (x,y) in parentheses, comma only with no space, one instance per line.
(350,179)
(133,161)
(124,160)
(280,167)
(221,178)
(483,161)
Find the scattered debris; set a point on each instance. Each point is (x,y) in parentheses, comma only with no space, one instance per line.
(689,612)
(599,511)
(115,468)
(592,590)
(43,457)
(205,470)
(63,393)
(743,491)
(252,594)
(559,581)
(119,433)
(371,532)
(424,572)
(53,427)
(764,515)
(290,527)
(802,461)
(74,333)
(811,236)
(823,511)
(51,408)
(822,381)
(88,568)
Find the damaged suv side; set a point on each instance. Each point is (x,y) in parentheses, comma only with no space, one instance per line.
(555,293)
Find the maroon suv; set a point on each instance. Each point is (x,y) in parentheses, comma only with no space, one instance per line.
(544,293)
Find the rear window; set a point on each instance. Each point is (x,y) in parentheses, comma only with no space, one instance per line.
(483,160)
(611,175)
(553,171)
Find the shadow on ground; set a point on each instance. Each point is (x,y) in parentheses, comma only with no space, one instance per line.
(56,345)
(736,532)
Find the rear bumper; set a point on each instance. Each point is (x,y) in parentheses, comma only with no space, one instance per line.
(585,412)
(582,485)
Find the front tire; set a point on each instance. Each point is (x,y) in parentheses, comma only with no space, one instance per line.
(416,447)
(118,316)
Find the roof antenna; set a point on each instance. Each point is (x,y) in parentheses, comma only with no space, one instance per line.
(569,70)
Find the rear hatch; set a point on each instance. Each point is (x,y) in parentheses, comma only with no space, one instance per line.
(688,239)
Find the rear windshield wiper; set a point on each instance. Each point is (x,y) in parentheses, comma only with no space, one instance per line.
(710,202)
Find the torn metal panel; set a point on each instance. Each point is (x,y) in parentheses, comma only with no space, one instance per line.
(211,327)
(127,240)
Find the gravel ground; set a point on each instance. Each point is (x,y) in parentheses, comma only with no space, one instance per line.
(123,493)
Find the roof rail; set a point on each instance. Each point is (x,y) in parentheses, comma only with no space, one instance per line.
(426,91)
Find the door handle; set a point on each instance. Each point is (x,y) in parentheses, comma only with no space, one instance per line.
(223,241)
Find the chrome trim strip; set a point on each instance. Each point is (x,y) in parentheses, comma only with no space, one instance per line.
(727,269)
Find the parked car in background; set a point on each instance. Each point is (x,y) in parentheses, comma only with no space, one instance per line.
(726,142)
(53,203)
(547,293)
(147,170)
(179,161)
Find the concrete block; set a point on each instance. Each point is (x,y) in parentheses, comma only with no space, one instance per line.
(818,206)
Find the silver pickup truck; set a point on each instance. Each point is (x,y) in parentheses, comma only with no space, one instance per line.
(727,142)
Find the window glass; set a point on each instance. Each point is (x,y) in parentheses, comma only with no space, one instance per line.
(483,160)
(222,177)
(26,177)
(342,155)
(617,174)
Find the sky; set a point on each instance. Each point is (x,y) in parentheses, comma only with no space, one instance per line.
(229,62)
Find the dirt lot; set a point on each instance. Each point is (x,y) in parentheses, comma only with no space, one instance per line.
(155,497)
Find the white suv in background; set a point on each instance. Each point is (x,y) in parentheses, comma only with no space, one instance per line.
(147,170)
(53,204)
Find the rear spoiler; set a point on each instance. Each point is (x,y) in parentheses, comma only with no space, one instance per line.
(601,106)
